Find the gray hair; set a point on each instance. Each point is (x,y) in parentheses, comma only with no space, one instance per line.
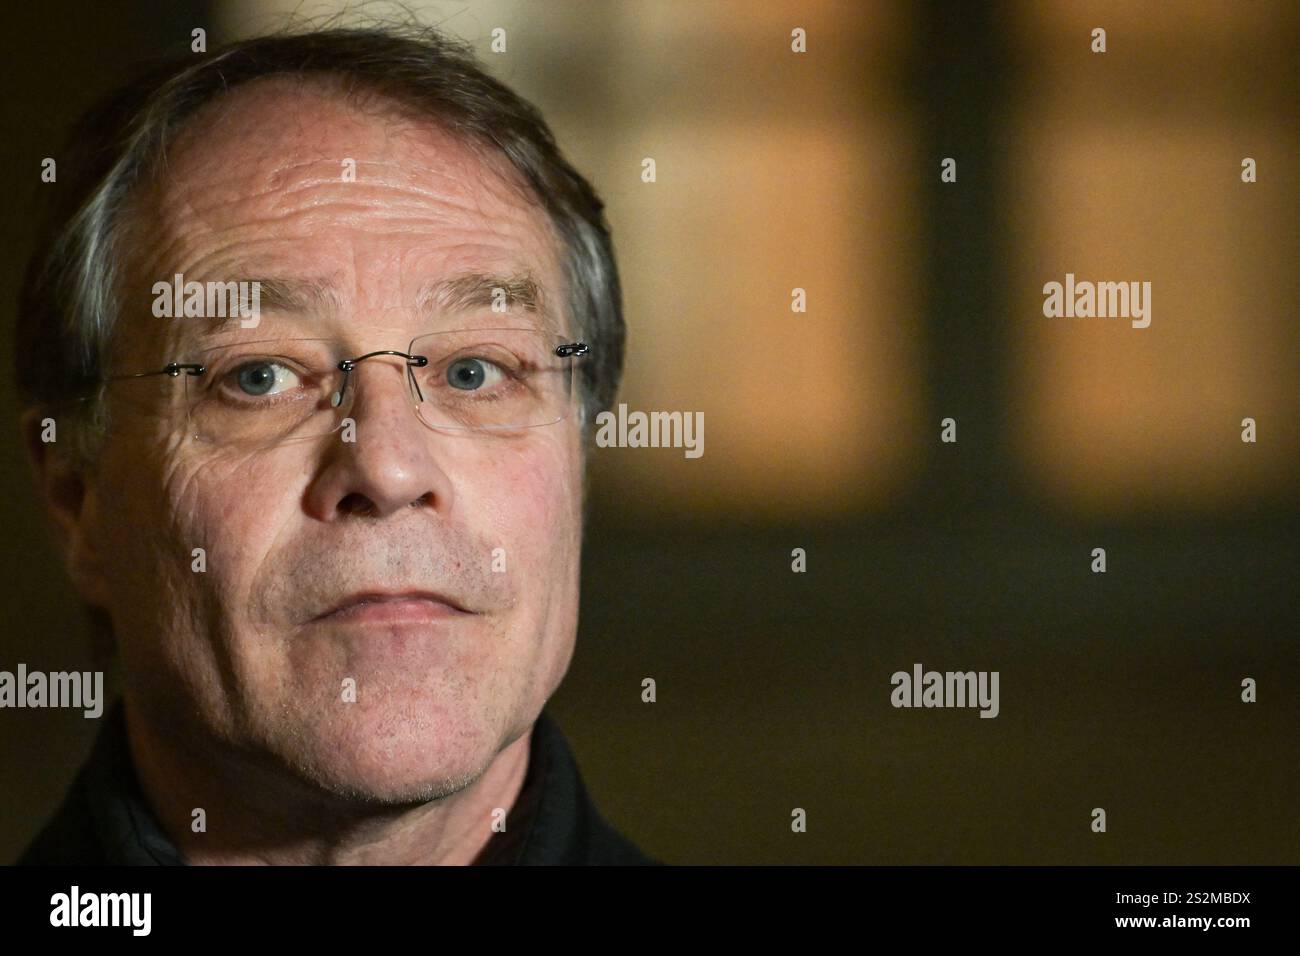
(69,305)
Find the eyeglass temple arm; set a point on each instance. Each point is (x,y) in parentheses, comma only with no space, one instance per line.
(174,369)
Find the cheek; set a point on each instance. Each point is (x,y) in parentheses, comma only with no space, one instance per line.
(526,501)
(232,507)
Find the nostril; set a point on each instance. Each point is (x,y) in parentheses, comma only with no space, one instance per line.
(355,503)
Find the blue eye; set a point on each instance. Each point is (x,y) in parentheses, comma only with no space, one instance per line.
(469,374)
(260,378)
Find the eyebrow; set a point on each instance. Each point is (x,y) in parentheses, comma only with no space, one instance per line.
(287,296)
(296,295)
(474,289)
(459,293)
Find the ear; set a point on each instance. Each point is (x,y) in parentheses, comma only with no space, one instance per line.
(67,497)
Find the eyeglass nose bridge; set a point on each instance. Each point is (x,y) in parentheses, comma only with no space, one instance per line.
(347,365)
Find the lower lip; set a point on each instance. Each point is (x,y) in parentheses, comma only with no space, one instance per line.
(406,611)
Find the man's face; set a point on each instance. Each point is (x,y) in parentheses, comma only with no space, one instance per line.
(256,188)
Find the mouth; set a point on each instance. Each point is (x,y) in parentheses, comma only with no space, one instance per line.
(382,607)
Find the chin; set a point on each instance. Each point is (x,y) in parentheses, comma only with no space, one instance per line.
(397,755)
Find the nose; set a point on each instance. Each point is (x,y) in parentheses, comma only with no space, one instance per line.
(383,459)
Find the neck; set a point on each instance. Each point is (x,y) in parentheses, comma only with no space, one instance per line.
(260,815)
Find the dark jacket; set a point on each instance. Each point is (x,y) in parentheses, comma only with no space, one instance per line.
(105,820)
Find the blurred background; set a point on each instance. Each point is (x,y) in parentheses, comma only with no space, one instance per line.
(821,171)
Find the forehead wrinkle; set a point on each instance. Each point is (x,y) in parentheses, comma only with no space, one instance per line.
(293,189)
(214,210)
(395,165)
